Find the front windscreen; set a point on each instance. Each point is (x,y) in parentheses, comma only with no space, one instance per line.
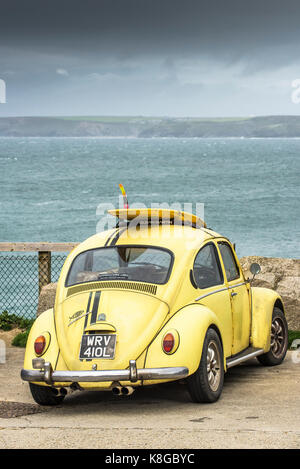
(137,263)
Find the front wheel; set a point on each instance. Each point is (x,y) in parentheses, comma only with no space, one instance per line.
(45,395)
(279,340)
(206,384)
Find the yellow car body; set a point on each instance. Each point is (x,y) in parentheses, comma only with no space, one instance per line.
(141,313)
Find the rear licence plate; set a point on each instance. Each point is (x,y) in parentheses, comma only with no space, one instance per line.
(97,346)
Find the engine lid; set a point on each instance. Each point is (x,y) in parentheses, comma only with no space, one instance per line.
(133,317)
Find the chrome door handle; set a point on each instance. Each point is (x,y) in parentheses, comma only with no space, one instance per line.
(233,293)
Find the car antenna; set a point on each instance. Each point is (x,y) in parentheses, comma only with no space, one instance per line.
(125,200)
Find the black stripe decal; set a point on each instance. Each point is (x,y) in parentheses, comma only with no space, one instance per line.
(95,307)
(117,236)
(88,309)
(110,237)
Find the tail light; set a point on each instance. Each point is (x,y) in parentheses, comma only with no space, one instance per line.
(40,345)
(168,342)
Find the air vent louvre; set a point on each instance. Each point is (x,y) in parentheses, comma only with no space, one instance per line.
(143,287)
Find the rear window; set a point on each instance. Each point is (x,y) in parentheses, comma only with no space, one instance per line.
(137,263)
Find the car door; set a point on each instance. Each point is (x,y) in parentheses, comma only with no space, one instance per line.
(239,295)
(213,291)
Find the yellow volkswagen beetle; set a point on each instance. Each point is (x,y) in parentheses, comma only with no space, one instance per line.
(159,298)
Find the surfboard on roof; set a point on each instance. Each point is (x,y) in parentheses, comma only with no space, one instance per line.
(161,214)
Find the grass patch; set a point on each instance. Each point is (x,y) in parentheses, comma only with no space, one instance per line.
(21,339)
(11,321)
(292,336)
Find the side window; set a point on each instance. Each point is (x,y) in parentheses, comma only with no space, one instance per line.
(231,269)
(207,270)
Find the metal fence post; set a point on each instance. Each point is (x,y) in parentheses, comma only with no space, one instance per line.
(44,268)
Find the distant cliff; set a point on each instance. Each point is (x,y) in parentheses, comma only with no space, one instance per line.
(147,127)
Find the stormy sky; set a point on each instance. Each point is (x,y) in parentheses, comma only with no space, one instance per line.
(149,57)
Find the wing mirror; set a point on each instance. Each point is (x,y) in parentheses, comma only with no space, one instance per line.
(254,269)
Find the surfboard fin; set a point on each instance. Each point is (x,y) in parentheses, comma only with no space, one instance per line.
(125,200)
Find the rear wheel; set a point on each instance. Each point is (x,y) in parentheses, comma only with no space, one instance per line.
(45,395)
(206,384)
(279,340)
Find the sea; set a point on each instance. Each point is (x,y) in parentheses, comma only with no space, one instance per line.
(51,187)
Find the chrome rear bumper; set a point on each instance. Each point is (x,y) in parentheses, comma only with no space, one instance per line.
(47,375)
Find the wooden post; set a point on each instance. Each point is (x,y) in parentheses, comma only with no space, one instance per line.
(44,268)
(35,247)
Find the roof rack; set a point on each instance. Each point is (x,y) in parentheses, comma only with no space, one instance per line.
(157,216)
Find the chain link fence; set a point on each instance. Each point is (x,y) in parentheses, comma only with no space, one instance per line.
(20,280)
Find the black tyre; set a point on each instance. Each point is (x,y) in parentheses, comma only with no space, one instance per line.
(279,340)
(45,395)
(206,384)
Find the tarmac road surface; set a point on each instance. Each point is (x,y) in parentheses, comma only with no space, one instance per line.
(259,408)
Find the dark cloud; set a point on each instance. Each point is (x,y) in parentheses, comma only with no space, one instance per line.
(147,56)
(229,29)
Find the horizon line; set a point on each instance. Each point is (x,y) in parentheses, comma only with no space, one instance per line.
(141,116)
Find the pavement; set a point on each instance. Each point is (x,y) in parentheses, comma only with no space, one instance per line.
(259,408)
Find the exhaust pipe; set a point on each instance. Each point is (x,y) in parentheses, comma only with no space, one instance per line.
(116,390)
(127,390)
(122,390)
(59,391)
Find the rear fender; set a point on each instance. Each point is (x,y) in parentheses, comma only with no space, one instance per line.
(191,323)
(263,302)
(44,323)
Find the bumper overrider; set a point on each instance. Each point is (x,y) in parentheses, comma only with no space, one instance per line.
(43,372)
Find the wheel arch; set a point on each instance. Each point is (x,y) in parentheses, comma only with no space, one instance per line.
(192,323)
(279,304)
(43,323)
(263,302)
(215,327)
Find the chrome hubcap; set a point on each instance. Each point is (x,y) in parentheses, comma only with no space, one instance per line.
(277,337)
(213,366)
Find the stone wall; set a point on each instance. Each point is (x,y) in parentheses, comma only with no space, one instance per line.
(46,298)
(282,275)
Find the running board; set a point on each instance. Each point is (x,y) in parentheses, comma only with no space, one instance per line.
(241,357)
